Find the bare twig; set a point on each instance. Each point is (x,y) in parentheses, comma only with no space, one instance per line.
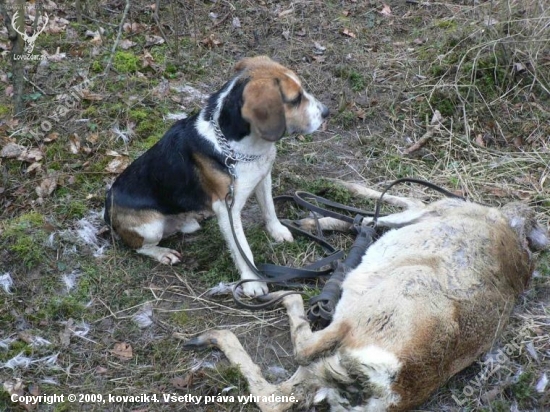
(39,88)
(434,125)
(157,20)
(115,45)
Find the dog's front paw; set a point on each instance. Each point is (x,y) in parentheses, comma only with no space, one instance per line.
(279,232)
(253,289)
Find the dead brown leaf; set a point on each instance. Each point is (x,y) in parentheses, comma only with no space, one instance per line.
(96,37)
(153,40)
(74,143)
(65,335)
(31,155)
(35,167)
(123,351)
(126,44)
(518,142)
(47,186)
(349,33)
(12,150)
(112,153)
(133,27)
(479,140)
(211,41)
(182,382)
(92,138)
(286,12)
(147,60)
(117,165)
(87,95)
(51,137)
(386,10)
(498,192)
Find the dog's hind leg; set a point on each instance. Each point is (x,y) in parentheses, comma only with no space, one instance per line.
(228,343)
(152,233)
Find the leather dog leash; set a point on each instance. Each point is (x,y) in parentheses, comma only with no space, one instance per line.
(322,306)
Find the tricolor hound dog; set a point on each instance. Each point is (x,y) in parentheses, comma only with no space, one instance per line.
(428,298)
(187,174)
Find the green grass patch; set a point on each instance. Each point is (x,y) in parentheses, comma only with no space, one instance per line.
(24,237)
(126,62)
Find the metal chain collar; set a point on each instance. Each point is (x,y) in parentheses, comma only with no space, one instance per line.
(230,155)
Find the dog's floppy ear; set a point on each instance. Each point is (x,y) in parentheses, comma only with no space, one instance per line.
(263,109)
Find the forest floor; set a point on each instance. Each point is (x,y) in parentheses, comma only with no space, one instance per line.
(81,313)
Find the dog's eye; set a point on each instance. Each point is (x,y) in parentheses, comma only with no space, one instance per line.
(296,101)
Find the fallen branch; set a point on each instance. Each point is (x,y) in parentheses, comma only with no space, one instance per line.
(434,126)
(115,45)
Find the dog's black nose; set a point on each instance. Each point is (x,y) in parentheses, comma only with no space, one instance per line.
(325,111)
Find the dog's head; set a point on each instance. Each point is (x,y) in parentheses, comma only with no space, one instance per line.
(274,101)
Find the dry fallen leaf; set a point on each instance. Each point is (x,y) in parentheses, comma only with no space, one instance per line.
(65,335)
(386,10)
(211,41)
(147,60)
(133,27)
(479,140)
(16,387)
(47,186)
(123,351)
(34,167)
(96,37)
(126,44)
(181,383)
(319,48)
(153,40)
(51,137)
(349,33)
(112,153)
(87,95)
(12,150)
(74,143)
(92,138)
(31,155)
(117,165)
(286,12)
